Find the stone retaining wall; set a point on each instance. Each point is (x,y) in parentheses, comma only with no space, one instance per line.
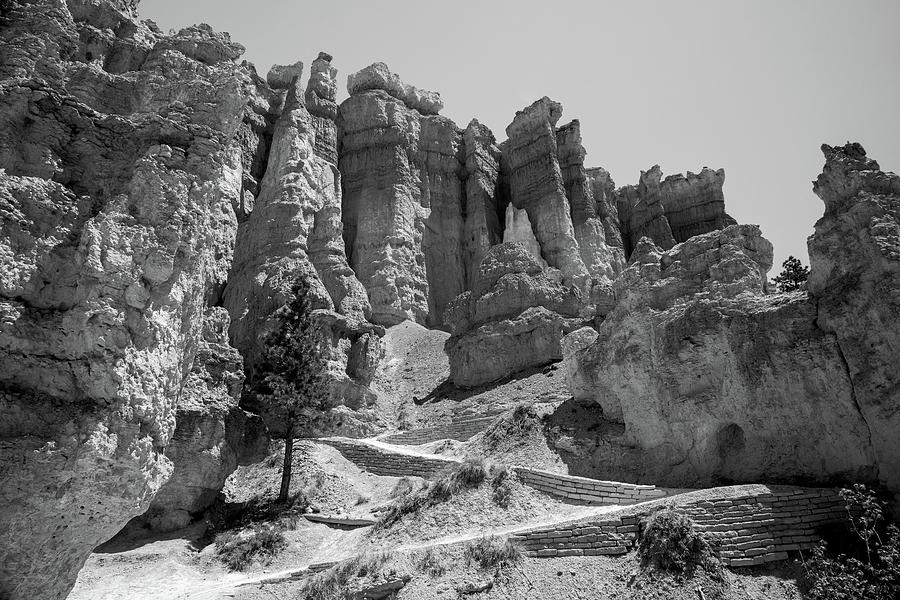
(583,490)
(750,529)
(461,431)
(383,462)
(571,489)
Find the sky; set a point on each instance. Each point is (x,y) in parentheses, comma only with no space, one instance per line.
(751,87)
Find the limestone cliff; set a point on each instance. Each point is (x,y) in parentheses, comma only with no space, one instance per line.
(401,163)
(709,378)
(120,171)
(854,278)
(295,231)
(701,376)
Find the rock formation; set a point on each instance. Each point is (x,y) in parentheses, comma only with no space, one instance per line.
(711,379)
(295,231)
(400,165)
(855,280)
(483,227)
(120,167)
(536,185)
(513,318)
(212,435)
(671,210)
(321,92)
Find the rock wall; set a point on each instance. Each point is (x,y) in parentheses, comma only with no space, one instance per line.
(120,170)
(212,434)
(854,278)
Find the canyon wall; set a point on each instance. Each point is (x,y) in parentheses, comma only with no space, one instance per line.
(701,376)
(120,174)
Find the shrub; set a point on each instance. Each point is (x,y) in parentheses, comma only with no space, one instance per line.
(490,552)
(329,583)
(523,419)
(469,473)
(872,569)
(501,482)
(238,549)
(404,486)
(431,563)
(670,542)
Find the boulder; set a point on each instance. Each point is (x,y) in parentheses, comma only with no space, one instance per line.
(512,319)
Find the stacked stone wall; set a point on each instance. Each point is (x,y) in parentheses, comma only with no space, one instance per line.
(460,431)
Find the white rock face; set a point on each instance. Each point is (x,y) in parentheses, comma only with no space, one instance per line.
(709,379)
(119,172)
(855,279)
(518,229)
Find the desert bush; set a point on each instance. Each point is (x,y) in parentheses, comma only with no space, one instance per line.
(523,419)
(431,563)
(871,569)
(238,549)
(471,472)
(670,541)
(501,482)
(404,486)
(490,552)
(329,583)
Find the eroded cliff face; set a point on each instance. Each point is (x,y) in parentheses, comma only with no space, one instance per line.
(703,377)
(671,210)
(854,279)
(401,166)
(294,232)
(121,170)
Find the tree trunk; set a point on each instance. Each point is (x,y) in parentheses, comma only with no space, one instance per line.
(288,464)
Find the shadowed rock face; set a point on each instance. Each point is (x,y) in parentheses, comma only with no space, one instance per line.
(671,210)
(121,172)
(854,277)
(710,378)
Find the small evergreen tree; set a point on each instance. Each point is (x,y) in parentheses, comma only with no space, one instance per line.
(291,376)
(793,275)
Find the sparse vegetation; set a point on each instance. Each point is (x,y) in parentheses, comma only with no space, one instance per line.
(329,584)
(470,473)
(431,563)
(670,542)
(404,486)
(870,570)
(524,418)
(493,552)
(237,549)
(501,482)
(258,510)
(793,275)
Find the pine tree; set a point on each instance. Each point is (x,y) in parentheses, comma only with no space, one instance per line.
(291,377)
(793,275)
